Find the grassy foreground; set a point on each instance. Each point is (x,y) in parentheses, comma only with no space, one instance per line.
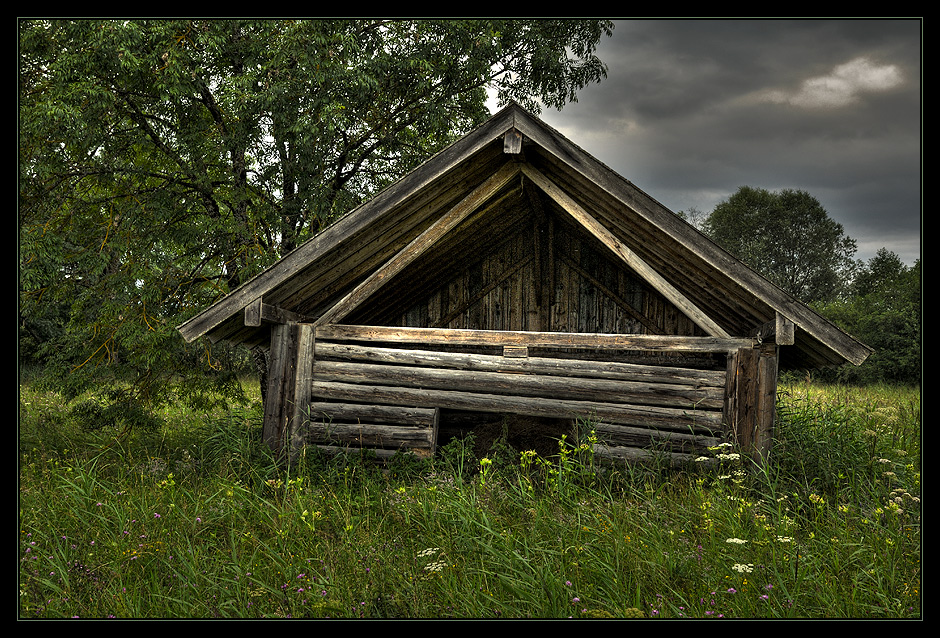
(194,520)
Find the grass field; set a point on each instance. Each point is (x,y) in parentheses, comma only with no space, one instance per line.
(194,520)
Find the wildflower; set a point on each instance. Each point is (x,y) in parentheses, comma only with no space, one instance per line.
(736,541)
(743,568)
(732,590)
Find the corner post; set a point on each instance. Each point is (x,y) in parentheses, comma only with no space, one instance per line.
(751,400)
(290,372)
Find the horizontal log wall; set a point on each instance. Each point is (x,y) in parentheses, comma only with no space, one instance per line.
(673,408)
(378,427)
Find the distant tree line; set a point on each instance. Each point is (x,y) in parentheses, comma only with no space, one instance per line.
(788,237)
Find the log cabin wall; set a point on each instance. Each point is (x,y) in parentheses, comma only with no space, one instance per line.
(634,408)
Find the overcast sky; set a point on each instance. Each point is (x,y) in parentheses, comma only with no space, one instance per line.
(693,109)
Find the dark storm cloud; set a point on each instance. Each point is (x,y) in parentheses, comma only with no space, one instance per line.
(693,109)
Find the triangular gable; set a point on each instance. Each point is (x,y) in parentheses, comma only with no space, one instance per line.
(332,273)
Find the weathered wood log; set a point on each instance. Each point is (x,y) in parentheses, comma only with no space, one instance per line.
(530,365)
(379,426)
(646,416)
(350,412)
(780,331)
(620,435)
(257,312)
(594,341)
(369,435)
(529,385)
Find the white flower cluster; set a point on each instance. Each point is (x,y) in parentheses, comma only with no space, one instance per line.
(435,566)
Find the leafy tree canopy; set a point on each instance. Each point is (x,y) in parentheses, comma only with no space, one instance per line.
(884,311)
(788,237)
(164,162)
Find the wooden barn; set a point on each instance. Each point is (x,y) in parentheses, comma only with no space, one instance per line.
(513,276)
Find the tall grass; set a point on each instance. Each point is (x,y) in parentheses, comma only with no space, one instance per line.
(196,520)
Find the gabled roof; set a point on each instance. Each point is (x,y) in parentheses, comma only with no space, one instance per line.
(431,210)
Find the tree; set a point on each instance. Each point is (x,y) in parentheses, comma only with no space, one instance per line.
(884,311)
(788,237)
(164,162)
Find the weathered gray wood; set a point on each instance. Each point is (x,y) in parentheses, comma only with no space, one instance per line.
(647,416)
(618,435)
(529,385)
(625,253)
(766,405)
(529,365)
(784,331)
(342,412)
(379,435)
(626,307)
(751,400)
(594,341)
(257,312)
(289,369)
(371,425)
(779,331)
(516,352)
(512,142)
